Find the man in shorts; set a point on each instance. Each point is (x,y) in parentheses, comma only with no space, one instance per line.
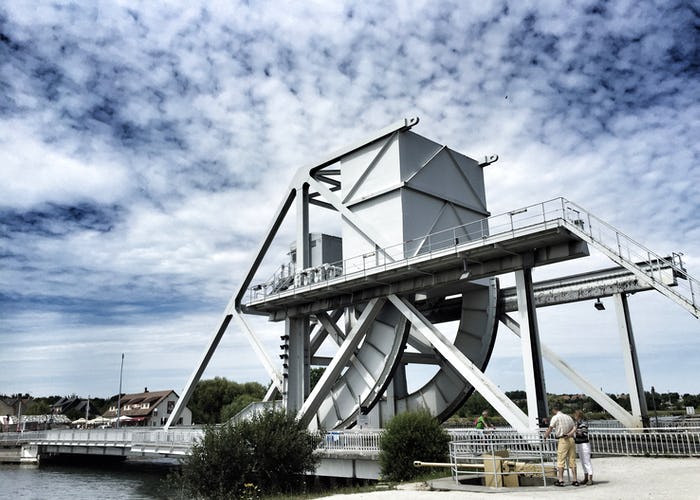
(563,427)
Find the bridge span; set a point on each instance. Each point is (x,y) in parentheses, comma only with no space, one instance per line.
(343,453)
(348,453)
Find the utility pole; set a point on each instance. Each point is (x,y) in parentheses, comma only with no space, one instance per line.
(119,396)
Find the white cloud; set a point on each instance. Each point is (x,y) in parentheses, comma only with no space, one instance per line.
(179,126)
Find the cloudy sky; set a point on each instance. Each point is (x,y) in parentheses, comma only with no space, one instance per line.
(144,147)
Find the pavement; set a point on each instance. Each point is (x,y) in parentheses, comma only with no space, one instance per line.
(614,478)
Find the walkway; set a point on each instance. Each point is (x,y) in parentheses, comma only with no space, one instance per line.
(615,478)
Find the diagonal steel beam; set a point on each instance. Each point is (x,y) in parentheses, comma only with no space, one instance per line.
(365,229)
(340,361)
(490,391)
(617,411)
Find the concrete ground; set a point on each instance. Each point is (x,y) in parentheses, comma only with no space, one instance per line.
(615,478)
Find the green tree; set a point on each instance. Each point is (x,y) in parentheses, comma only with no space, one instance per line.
(474,405)
(234,408)
(409,436)
(272,451)
(314,376)
(37,406)
(211,396)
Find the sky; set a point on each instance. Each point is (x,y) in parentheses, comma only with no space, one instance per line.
(144,147)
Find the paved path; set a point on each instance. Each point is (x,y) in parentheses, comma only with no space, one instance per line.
(615,478)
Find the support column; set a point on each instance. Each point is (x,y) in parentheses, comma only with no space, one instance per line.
(588,388)
(298,329)
(298,362)
(530,345)
(638,400)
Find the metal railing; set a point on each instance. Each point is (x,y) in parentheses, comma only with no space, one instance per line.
(501,456)
(614,441)
(78,437)
(617,245)
(663,441)
(628,253)
(475,234)
(351,441)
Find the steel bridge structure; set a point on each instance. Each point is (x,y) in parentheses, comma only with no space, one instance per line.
(419,248)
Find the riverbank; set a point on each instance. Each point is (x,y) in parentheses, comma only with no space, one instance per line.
(615,478)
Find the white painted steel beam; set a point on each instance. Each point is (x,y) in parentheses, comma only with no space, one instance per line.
(372,235)
(530,346)
(269,366)
(617,411)
(340,360)
(629,355)
(197,373)
(490,391)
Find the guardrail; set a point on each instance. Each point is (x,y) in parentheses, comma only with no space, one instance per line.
(476,233)
(613,441)
(509,224)
(665,441)
(662,441)
(622,247)
(351,441)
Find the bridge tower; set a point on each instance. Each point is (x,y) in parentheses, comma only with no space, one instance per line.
(394,244)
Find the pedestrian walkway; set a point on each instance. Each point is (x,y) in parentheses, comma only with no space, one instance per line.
(615,478)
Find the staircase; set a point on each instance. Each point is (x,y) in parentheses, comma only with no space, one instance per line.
(648,266)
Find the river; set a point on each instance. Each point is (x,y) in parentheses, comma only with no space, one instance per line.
(130,479)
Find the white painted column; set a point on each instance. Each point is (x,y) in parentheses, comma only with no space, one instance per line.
(588,388)
(638,400)
(298,362)
(531,352)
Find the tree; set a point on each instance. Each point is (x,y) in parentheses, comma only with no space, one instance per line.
(211,396)
(37,406)
(409,436)
(234,408)
(474,405)
(314,376)
(272,452)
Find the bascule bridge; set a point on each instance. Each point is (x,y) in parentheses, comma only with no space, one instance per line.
(406,280)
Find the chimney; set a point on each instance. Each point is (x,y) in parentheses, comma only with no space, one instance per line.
(145,389)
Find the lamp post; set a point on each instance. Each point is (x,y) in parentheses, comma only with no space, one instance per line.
(119,396)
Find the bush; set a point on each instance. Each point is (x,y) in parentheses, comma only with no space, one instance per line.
(268,454)
(411,436)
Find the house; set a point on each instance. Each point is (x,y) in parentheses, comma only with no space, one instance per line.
(148,409)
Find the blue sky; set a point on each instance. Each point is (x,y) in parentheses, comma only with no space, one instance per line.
(144,147)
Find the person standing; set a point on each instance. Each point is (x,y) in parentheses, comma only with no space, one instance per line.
(564,429)
(583,446)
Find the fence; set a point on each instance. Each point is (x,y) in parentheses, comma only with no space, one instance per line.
(662,441)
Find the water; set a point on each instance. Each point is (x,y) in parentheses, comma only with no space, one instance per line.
(131,479)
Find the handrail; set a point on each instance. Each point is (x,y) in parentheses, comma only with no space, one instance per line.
(634,256)
(615,441)
(476,233)
(616,245)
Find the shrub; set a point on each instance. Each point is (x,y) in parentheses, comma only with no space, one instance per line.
(268,454)
(411,436)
